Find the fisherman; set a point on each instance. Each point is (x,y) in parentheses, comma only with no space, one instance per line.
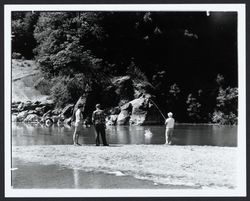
(78,124)
(169,128)
(98,119)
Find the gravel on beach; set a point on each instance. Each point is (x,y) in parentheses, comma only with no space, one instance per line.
(194,166)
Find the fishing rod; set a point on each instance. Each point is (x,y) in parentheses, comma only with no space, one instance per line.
(158,108)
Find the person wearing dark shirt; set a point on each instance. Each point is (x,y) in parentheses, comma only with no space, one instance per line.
(98,119)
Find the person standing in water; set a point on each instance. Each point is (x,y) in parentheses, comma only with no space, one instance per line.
(169,128)
(98,119)
(78,124)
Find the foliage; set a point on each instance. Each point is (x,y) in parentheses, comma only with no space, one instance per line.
(67,89)
(227,106)
(61,38)
(169,50)
(193,108)
(22,28)
(43,85)
(135,72)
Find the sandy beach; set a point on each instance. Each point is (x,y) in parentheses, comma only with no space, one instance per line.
(193,166)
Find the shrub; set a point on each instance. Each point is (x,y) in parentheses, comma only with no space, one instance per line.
(224,119)
(227,107)
(43,85)
(67,89)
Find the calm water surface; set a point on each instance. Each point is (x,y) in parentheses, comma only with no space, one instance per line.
(28,134)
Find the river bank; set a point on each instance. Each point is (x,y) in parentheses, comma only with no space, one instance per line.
(193,166)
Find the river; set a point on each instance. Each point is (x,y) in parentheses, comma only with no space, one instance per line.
(213,135)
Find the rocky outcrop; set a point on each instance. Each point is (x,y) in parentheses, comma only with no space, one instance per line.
(124,89)
(32,118)
(30,111)
(68,110)
(126,98)
(138,112)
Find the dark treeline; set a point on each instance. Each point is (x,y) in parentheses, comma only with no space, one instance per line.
(189,58)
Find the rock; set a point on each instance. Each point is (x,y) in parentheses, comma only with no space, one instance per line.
(115,110)
(142,88)
(32,112)
(112,119)
(47,114)
(139,111)
(124,115)
(48,122)
(144,113)
(68,121)
(68,110)
(21,116)
(14,110)
(32,118)
(56,111)
(40,110)
(27,105)
(124,89)
(55,119)
(20,106)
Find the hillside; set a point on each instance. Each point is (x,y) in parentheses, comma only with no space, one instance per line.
(25,74)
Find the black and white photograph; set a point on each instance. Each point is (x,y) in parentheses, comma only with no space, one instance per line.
(125,100)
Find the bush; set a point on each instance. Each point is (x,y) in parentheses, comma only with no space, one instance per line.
(67,90)
(43,85)
(224,119)
(227,107)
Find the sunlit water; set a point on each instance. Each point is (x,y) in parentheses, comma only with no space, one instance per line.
(28,134)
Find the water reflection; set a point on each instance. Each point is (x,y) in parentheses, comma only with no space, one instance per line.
(31,134)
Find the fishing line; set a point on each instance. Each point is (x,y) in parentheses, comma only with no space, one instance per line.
(158,108)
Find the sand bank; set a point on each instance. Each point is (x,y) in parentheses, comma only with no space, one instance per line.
(194,166)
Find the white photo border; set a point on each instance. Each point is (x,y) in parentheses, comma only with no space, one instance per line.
(240,191)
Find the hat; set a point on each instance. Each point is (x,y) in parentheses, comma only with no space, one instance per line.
(170,114)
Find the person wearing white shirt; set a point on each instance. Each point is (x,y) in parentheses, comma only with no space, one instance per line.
(169,128)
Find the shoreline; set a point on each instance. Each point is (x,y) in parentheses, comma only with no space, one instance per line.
(194,166)
(46,178)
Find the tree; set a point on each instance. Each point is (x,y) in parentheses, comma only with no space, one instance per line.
(63,38)
(193,108)
(227,106)
(22,28)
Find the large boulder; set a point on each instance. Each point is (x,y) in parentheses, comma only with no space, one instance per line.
(21,116)
(123,117)
(40,110)
(111,120)
(144,113)
(32,118)
(68,110)
(124,89)
(139,111)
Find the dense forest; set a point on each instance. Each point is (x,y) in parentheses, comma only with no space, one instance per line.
(188,60)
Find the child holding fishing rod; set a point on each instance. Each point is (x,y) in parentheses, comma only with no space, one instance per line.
(169,122)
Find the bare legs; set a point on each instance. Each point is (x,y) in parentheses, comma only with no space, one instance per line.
(168,135)
(76,135)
